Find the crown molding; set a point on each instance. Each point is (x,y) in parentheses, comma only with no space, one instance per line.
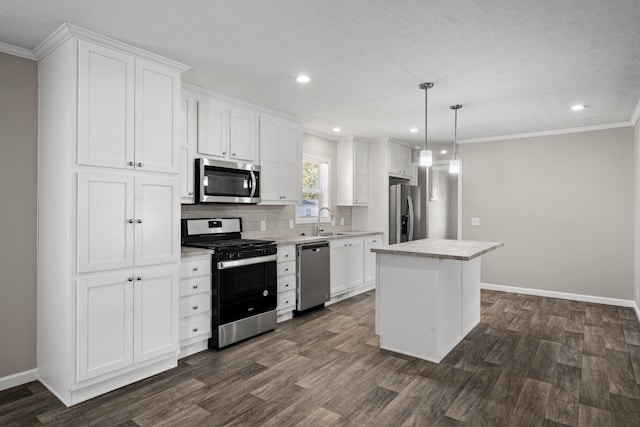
(320,134)
(17,51)
(66,31)
(206,92)
(547,133)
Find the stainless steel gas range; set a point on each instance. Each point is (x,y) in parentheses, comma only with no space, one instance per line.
(244,279)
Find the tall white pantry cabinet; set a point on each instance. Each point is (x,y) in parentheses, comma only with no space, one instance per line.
(108,213)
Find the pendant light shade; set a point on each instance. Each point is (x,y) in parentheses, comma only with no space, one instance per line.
(455,164)
(426,155)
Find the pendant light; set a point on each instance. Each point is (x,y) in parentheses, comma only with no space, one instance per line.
(454,164)
(426,156)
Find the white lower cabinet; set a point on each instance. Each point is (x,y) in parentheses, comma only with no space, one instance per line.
(286,268)
(353,266)
(125,318)
(370,257)
(195,304)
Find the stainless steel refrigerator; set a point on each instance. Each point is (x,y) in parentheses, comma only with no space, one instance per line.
(404,213)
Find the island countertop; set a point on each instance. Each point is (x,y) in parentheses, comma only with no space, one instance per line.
(463,250)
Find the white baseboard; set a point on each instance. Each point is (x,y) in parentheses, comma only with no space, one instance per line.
(563,295)
(18,379)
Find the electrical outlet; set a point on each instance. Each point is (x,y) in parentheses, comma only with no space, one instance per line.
(475,221)
(263,225)
(342,221)
(291,224)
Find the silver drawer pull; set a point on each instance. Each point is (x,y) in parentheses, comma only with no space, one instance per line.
(195,307)
(139,164)
(195,286)
(130,163)
(195,329)
(139,277)
(130,279)
(195,268)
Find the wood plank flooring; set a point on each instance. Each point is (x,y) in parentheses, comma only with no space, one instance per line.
(531,361)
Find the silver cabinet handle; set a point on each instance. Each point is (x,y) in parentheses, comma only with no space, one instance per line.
(130,221)
(195,286)
(286,269)
(130,163)
(373,241)
(191,193)
(139,164)
(195,307)
(195,268)
(139,278)
(224,152)
(286,256)
(195,329)
(233,154)
(139,221)
(130,279)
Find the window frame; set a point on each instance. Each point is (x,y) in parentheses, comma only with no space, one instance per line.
(314,219)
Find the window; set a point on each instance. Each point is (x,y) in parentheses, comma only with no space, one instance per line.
(315,189)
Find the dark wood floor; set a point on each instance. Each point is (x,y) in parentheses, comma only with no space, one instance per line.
(531,361)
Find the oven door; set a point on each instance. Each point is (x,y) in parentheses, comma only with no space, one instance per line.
(227,182)
(245,287)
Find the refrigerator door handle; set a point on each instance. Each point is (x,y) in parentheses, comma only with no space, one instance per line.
(410,213)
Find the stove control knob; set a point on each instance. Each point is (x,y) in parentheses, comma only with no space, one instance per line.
(265,293)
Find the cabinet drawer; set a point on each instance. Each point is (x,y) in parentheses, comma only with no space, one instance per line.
(193,326)
(195,268)
(285,268)
(286,283)
(195,285)
(286,299)
(287,253)
(195,304)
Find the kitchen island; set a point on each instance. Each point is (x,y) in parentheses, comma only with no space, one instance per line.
(428,295)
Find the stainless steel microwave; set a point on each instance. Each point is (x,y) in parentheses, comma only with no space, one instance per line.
(226,182)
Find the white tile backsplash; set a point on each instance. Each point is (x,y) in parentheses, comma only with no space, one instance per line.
(276,217)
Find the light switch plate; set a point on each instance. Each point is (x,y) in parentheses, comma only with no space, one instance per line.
(263,225)
(475,221)
(291,224)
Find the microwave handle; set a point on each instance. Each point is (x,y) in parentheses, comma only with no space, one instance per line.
(253,183)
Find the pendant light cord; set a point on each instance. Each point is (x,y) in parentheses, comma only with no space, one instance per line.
(426,86)
(455,108)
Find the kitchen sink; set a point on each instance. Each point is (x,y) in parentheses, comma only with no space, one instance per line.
(329,234)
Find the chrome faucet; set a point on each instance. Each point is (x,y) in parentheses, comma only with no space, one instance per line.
(318,223)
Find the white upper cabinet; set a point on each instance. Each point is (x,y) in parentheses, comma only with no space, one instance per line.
(188,146)
(280,161)
(127,111)
(227,132)
(126,220)
(353,172)
(400,163)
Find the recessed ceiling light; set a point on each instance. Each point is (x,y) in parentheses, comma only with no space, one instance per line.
(443,151)
(337,129)
(303,78)
(413,130)
(577,107)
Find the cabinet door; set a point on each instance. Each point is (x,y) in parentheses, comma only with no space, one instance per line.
(157,220)
(290,178)
(104,322)
(157,117)
(188,117)
(361,173)
(105,221)
(406,165)
(105,106)
(394,157)
(242,138)
(370,257)
(269,162)
(355,259)
(213,128)
(155,312)
(338,263)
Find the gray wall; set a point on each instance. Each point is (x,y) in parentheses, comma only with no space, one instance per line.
(18,165)
(564,207)
(637,213)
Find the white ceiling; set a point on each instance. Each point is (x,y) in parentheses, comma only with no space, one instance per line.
(516,66)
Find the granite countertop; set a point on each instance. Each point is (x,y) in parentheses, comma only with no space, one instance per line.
(293,240)
(189,251)
(463,250)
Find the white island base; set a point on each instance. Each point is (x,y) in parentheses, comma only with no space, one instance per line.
(425,304)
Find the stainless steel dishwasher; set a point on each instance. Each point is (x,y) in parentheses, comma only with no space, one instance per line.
(312,288)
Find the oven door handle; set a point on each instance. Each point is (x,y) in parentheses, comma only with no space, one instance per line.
(223,265)
(253,184)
